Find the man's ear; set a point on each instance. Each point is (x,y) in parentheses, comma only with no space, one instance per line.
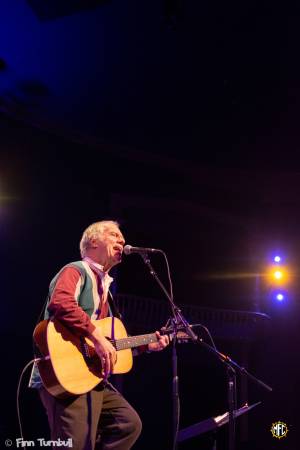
(94,243)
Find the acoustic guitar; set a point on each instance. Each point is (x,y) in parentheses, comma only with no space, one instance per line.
(69,365)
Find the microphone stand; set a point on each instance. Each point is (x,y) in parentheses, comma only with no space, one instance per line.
(177,320)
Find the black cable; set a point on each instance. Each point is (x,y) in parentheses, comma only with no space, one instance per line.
(169,276)
(18,394)
(25,368)
(209,335)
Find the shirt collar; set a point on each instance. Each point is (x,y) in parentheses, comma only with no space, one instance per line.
(94,264)
(106,279)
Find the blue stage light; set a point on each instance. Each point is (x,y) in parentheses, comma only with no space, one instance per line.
(279,297)
(277,258)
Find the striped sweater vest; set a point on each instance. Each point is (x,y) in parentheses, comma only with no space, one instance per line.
(86,294)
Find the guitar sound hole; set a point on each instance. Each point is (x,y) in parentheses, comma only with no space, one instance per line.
(90,357)
(87,352)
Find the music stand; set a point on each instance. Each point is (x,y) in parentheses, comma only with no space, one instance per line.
(211,424)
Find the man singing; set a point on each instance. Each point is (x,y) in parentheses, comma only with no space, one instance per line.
(101,418)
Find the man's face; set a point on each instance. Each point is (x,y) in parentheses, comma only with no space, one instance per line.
(110,246)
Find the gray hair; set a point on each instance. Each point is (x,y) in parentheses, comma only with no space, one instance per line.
(93,231)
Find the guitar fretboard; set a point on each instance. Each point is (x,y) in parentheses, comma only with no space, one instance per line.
(135,341)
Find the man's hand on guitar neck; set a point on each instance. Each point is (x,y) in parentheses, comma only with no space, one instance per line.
(162,342)
(105,350)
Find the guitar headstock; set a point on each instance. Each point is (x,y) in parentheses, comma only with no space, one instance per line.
(182,337)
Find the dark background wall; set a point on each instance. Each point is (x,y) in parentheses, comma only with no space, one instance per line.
(52,195)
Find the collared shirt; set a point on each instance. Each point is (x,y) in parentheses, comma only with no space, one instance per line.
(104,282)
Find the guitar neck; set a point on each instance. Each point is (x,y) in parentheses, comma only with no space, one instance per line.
(135,341)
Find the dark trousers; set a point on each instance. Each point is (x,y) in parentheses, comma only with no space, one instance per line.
(101,419)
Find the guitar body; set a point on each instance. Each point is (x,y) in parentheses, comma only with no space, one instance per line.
(70,365)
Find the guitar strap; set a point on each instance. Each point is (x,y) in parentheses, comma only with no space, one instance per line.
(112,328)
(113,306)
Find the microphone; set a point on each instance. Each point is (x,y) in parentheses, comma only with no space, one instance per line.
(128,249)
